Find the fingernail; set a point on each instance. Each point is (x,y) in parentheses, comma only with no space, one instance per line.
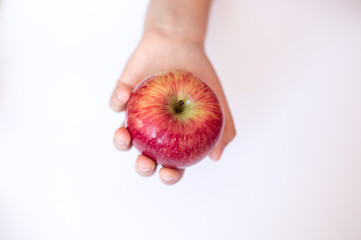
(120,142)
(120,97)
(146,170)
(169,179)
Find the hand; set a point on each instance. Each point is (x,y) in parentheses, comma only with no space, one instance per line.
(155,53)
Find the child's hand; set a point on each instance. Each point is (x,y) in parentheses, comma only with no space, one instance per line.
(158,52)
(173,38)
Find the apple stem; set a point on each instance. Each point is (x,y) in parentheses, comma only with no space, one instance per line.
(179,107)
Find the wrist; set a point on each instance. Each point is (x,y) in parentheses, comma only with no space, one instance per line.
(180,20)
(174,34)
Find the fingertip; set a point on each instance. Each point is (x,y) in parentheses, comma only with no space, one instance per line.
(170,176)
(227,137)
(119,98)
(122,139)
(145,166)
(123,94)
(216,154)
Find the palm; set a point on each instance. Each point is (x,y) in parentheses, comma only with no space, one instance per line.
(155,54)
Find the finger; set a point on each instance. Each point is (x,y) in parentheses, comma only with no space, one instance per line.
(216,153)
(170,176)
(145,166)
(133,73)
(122,139)
(120,96)
(229,134)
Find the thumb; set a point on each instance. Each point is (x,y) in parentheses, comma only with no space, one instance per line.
(120,96)
(228,135)
(131,76)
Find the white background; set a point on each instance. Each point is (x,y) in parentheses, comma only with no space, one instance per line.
(291,71)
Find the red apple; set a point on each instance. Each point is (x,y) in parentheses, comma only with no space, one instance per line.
(174,118)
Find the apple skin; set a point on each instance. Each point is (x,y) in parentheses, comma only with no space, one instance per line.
(174,118)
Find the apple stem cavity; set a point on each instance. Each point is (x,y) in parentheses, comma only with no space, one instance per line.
(179,106)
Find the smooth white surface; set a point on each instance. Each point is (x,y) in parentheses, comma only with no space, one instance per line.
(292,74)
